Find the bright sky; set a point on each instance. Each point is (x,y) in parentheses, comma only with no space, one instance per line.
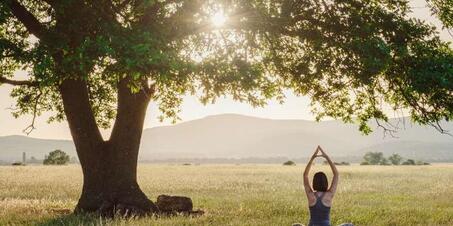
(294,108)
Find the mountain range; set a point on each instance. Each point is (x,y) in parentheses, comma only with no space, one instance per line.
(238,136)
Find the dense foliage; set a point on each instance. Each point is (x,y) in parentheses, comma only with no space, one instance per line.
(353,58)
(374,158)
(395,159)
(56,157)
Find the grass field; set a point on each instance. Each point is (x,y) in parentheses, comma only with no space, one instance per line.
(240,194)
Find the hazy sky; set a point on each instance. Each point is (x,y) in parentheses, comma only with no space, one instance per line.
(294,108)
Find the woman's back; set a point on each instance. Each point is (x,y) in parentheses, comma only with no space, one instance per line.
(319,213)
(321,200)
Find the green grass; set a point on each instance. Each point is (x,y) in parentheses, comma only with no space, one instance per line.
(240,194)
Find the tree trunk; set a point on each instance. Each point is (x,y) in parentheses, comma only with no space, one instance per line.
(110,186)
(109,167)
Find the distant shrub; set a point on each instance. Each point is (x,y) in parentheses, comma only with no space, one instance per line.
(364,163)
(375,158)
(342,163)
(289,163)
(56,157)
(384,162)
(408,162)
(18,164)
(186,164)
(421,163)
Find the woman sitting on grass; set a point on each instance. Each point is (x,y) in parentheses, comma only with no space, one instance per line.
(321,196)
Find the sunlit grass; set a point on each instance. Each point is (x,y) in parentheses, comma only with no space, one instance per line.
(240,195)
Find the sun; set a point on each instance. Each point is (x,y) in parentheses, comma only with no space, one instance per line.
(218,19)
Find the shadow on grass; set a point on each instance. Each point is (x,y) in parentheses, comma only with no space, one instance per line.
(66,217)
(72,219)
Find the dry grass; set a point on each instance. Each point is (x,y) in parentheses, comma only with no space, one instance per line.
(240,195)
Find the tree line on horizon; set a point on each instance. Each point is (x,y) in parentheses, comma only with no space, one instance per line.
(56,157)
(378,158)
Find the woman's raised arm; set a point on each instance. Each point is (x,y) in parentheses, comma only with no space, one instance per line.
(307,186)
(333,186)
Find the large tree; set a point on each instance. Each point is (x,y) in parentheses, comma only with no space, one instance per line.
(94,63)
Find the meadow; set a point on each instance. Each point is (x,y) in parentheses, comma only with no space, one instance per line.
(240,194)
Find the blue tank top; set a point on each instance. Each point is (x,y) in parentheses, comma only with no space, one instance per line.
(319,213)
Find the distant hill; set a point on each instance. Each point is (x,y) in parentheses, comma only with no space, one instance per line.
(238,136)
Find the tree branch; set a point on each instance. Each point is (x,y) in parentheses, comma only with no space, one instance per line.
(4,80)
(27,19)
(439,128)
(32,127)
(387,130)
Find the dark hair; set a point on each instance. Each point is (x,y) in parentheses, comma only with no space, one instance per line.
(320,182)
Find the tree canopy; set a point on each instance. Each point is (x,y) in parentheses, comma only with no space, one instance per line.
(395,159)
(57,157)
(374,158)
(350,57)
